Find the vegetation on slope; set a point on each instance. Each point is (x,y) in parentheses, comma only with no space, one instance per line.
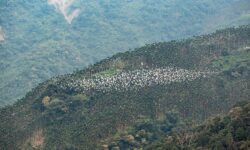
(50,117)
(229,132)
(40,44)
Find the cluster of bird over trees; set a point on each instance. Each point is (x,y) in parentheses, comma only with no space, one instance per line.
(133,80)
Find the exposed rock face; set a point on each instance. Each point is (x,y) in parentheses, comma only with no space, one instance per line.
(1,34)
(63,6)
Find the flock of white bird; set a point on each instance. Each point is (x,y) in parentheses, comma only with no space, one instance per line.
(133,80)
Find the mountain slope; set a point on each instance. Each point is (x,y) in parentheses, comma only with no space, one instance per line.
(40,43)
(229,132)
(203,76)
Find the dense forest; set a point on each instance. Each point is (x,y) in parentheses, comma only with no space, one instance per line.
(231,131)
(203,77)
(39,43)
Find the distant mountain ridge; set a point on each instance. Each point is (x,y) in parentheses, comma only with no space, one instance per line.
(40,44)
(78,117)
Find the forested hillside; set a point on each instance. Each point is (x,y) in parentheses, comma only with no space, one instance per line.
(229,132)
(44,38)
(156,88)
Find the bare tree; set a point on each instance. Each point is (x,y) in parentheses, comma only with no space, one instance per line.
(1,34)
